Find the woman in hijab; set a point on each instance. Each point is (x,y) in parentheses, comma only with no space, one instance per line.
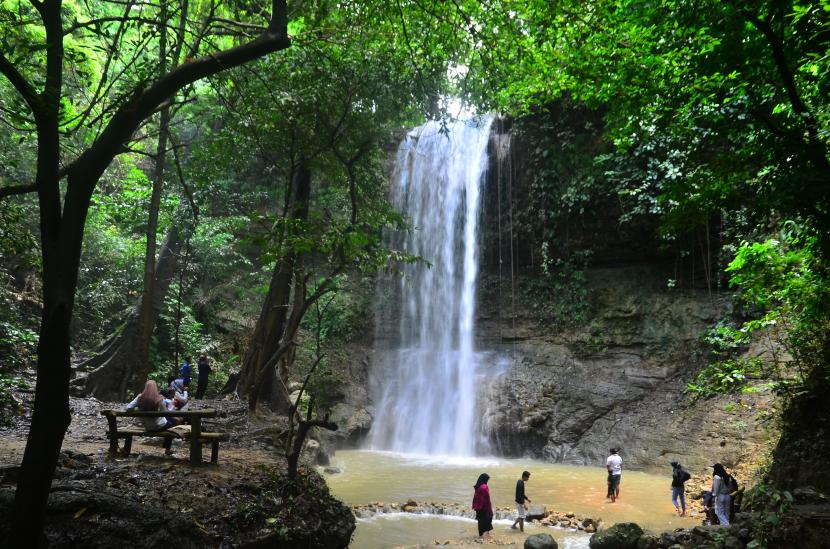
(720,491)
(482,505)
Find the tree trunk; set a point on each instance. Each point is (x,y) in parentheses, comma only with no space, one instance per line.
(147,314)
(257,375)
(118,366)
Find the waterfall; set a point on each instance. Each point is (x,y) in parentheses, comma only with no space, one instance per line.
(426,376)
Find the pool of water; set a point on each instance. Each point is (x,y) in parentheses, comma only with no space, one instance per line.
(368,476)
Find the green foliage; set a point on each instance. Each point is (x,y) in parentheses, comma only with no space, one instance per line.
(779,282)
(8,404)
(726,376)
(772,506)
(560,294)
(177,323)
(17,344)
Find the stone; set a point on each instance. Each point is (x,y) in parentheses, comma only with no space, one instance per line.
(541,541)
(535,512)
(704,532)
(808,494)
(591,528)
(332,470)
(649,541)
(624,535)
(668,539)
(731,542)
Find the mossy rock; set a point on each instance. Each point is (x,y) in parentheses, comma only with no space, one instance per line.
(620,536)
(541,541)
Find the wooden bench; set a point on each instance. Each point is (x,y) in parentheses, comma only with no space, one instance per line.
(196,436)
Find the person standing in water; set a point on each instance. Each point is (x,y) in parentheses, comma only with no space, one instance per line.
(679,476)
(614,466)
(482,505)
(521,498)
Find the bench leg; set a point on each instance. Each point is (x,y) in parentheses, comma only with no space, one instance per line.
(196,440)
(214,452)
(168,443)
(128,445)
(113,432)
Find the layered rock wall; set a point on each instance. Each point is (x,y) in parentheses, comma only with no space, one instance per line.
(568,396)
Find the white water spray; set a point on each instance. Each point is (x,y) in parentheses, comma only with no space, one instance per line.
(427,374)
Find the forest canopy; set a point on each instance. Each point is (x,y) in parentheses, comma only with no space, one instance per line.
(160,160)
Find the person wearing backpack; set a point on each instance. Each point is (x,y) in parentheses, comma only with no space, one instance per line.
(679,476)
(722,484)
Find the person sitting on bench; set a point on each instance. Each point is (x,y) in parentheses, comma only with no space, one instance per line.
(150,400)
(178,394)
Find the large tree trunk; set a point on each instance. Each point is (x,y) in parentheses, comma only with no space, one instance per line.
(257,378)
(118,366)
(147,311)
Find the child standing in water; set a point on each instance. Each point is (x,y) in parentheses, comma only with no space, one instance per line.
(482,505)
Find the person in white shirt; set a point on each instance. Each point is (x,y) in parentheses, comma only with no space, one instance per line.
(614,466)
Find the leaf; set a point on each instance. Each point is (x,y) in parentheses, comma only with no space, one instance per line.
(271,520)
(80,513)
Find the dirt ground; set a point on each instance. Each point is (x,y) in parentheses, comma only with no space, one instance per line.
(245,500)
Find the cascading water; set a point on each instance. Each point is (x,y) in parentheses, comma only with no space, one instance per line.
(425,380)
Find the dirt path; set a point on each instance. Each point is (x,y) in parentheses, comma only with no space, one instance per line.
(244,500)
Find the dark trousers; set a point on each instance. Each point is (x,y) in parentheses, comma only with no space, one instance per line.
(203,383)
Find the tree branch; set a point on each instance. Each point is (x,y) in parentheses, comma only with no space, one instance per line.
(23,87)
(777,46)
(17,189)
(142,102)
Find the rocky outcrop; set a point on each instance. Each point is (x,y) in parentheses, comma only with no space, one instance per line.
(618,381)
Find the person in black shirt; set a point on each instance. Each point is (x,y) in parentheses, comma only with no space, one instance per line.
(678,478)
(521,498)
(204,372)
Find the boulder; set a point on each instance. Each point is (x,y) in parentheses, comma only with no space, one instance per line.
(541,541)
(624,535)
(535,512)
(650,541)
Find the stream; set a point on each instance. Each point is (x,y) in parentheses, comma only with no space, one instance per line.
(369,476)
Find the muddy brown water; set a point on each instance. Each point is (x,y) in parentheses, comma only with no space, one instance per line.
(368,477)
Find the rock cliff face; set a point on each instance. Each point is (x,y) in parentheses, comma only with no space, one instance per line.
(569,396)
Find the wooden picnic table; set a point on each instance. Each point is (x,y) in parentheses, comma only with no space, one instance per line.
(196,437)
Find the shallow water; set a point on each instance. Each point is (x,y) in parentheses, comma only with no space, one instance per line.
(388,477)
